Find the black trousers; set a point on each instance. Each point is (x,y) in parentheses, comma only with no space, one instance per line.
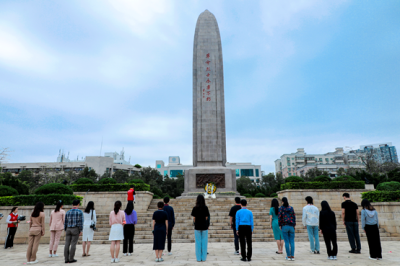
(169,238)
(374,241)
(129,234)
(10,237)
(353,235)
(330,237)
(245,238)
(236,237)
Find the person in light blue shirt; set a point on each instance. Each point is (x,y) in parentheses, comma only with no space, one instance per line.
(370,224)
(244,229)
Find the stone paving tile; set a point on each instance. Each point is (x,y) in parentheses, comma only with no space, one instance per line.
(220,254)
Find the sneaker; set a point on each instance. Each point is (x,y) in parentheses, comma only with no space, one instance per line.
(352,251)
(312,252)
(372,258)
(358,251)
(50,255)
(236,252)
(334,257)
(116,260)
(288,258)
(157,259)
(33,262)
(330,258)
(317,252)
(28,262)
(55,255)
(292,258)
(169,253)
(112,260)
(129,254)
(125,254)
(160,259)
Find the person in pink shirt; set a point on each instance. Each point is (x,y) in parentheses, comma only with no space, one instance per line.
(117,221)
(56,224)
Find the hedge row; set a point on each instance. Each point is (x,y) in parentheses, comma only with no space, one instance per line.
(30,200)
(109,187)
(381,196)
(324,185)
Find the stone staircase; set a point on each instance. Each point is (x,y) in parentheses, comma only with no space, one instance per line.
(219,230)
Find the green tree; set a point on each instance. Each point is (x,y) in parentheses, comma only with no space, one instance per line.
(86,173)
(341,172)
(121,176)
(138,166)
(244,185)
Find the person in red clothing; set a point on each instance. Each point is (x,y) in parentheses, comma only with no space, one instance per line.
(12,222)
(131,194)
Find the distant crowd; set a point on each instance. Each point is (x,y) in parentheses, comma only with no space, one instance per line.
(282,221)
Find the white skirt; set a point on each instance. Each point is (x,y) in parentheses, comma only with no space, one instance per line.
(116,232)
(88,233)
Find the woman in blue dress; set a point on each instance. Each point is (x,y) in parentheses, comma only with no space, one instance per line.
(160,229)
(273,222)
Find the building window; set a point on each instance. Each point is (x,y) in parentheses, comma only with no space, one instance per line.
(165,172)
(158,165)
(246,172)
(289,169)
(290,174)
(257,174)
(237,172)
(174,173)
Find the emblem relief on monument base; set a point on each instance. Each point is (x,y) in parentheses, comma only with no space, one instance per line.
(203,179)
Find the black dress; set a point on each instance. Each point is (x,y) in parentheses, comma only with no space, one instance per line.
(327,224)
(160,230)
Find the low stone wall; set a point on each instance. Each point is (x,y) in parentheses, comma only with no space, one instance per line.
(389,216)
(104,201)
(296,197)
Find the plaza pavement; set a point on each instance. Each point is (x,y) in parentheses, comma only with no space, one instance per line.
(220,254)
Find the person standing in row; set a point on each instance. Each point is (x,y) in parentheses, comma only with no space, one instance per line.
(73,227)
(160,230)
(232,215)
(244,229)
(273,223)
(57,218)
(117,220)
(287,222)
(129,229)
(89,218)
(327,226)
(171,222)
(310,221)
(12,226)
(351,217)
(131,194)
(36,231)
(201,215)
(370,225)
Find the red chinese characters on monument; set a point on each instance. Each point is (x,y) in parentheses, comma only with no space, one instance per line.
(208,81)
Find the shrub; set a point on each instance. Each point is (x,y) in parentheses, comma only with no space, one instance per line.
(109,187)
(137,166)
(247,195)
(273,195)
(259,195)
(292,179)
(324,185)
(344,178)
(389,186)
(136,181)
(54,188)
(30,200)
(15,183)
(8,191)
(381,196)
(107,180)
(322,178)
(156,196)
(84,180)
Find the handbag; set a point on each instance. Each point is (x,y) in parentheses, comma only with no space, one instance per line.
(93,225)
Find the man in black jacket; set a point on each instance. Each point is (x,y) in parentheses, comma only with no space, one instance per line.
(171,222)
(232,215)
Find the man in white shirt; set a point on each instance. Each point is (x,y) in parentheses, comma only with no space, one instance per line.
(311,222)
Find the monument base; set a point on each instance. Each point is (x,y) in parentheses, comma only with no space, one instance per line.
(197,178)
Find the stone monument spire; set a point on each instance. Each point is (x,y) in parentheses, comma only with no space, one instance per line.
(209,138)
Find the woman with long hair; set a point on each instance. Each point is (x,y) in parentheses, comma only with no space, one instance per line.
(57,219)
(129,228)
(273,223)
(370,225)
(201,216)
(117,220)
(89,220)
(36,231)
(327,226)
(12,225)
(287,222)
(160,230)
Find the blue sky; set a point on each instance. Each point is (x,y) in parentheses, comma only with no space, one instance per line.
(298,74)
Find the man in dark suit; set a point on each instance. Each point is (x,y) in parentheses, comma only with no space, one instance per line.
(171,222)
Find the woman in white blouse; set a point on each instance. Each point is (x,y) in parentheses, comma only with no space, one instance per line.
(89,219)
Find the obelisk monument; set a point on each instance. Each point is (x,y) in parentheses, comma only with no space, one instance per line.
(209,137)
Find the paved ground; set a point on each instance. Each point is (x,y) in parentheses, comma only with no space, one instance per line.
(220,254)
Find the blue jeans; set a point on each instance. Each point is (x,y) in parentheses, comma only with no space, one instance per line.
(201,238)
(288,236)
(313,234)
